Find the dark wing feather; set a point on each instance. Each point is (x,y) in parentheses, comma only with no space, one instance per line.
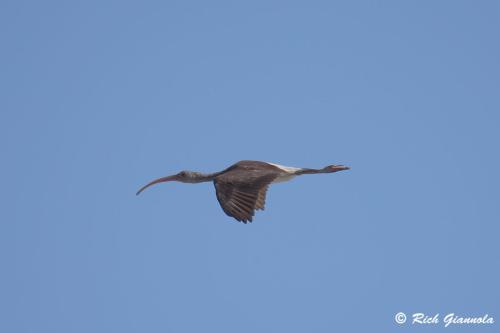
(261,198)
(241,191)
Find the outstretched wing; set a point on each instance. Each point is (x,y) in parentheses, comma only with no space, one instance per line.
(241,192)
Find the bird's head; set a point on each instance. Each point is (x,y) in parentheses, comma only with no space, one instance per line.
(187,176)
(184,176)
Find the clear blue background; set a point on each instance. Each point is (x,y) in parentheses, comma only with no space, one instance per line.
(99,97)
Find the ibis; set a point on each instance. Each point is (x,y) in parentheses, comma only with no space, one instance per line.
(241,188)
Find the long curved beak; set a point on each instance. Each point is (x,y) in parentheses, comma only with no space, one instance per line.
(156,181)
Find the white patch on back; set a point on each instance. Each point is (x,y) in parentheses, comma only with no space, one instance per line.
(287,169)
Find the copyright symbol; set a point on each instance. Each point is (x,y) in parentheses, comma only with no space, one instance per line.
(400,318)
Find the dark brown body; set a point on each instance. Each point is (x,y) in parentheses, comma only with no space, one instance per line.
(241,189)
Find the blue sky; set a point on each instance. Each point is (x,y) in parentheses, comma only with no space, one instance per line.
(99,97)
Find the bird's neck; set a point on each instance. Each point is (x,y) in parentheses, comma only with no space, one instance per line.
(204,177)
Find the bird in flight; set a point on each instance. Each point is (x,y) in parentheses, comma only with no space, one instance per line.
(241,189)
